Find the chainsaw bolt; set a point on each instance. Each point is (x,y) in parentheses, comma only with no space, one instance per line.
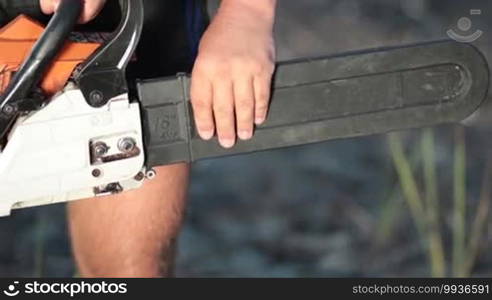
(9,109)
(151,174)
(139,177)
(100,149)
(96,173)
(96,98)
(127,145)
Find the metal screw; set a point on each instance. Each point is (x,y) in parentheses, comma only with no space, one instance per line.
(139,177)
(100,149)
(151,174)
(9,109)
(126,145)
(96,97)
(96,173)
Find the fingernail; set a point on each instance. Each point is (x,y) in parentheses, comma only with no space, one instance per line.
(206,134)
(227,143)
(245,134)
(259,120)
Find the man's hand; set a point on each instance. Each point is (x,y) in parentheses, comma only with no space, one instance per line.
(91,8)
(231,79)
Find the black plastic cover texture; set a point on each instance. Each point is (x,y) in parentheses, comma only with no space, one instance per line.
(320,99)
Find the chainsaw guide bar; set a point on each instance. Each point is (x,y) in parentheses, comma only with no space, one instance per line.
(321,99)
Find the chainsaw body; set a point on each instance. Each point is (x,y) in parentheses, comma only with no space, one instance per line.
(92,139)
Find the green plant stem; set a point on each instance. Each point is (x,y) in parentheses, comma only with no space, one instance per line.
(393,206)
(436,248)
(459,207)
(390,212)
(408,184)
(479,222)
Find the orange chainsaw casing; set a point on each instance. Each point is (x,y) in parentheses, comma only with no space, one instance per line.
(16,41)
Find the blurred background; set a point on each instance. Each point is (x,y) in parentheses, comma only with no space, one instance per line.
(413,203)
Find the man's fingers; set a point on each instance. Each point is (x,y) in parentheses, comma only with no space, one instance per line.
(201,99)
(244,98)
(49,6)
(223,104)
(262,85)
(86,16)
(91,9)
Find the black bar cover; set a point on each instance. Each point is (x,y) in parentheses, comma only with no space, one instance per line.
(320,99)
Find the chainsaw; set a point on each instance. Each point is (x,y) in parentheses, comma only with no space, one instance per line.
(71,129)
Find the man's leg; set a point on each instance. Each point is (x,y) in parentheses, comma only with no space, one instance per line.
(132,234)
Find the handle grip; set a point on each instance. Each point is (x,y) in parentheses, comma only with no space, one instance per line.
(43,53)
(33,68)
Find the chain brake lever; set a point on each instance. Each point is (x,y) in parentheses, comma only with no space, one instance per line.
(103,76)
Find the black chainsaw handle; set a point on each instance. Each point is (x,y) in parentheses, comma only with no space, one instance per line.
(103,75)
(15,98)
(42,55)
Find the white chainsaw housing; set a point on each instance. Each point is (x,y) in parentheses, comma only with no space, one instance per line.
(49,155)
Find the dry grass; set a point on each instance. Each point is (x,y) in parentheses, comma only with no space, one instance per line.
(427,212)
